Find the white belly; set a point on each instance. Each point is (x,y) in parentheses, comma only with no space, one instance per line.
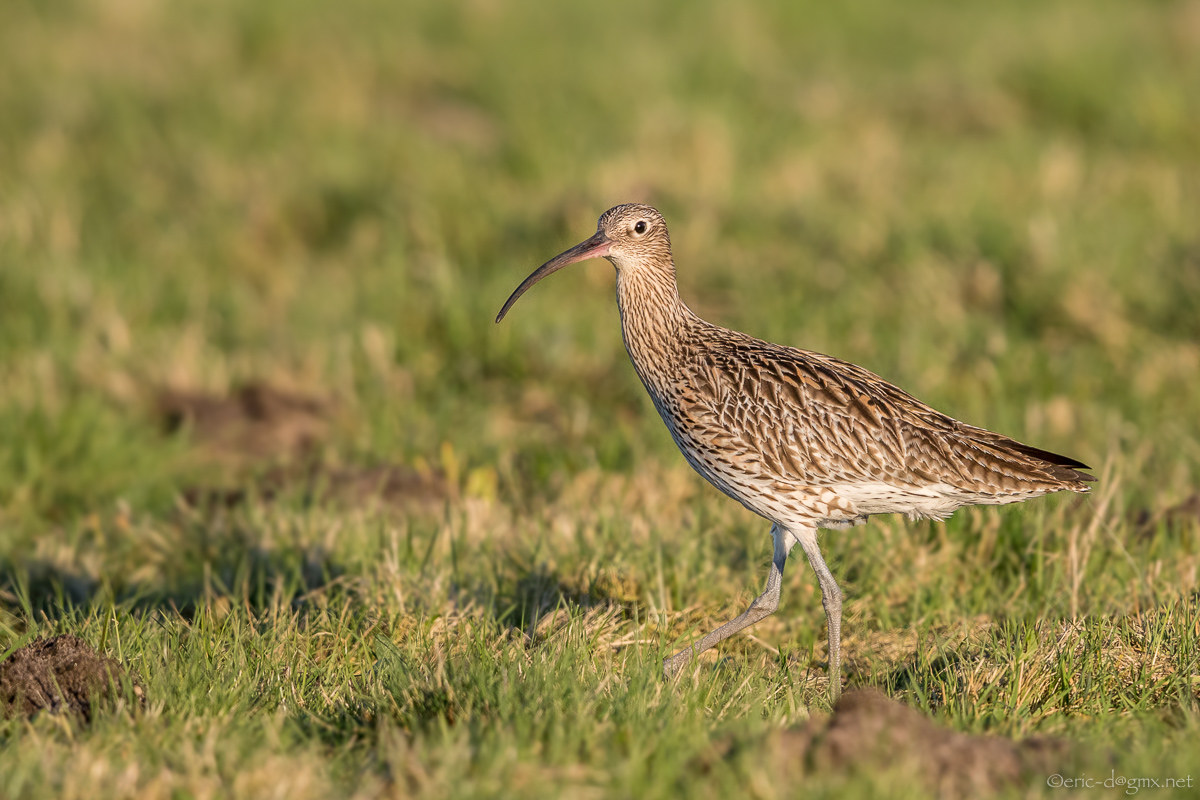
(935,501)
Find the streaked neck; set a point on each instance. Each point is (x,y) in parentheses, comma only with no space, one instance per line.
(654,320)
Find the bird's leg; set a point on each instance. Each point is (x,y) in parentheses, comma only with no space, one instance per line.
(831,598)
(763,606)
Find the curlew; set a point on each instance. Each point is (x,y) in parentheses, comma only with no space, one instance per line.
(803,439)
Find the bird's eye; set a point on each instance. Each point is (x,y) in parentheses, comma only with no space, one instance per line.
(640,227)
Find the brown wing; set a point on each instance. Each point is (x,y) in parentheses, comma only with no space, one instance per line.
(811,419)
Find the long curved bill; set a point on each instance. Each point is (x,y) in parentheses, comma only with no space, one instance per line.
(595,247)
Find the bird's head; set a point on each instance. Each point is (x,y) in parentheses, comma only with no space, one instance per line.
(632,236)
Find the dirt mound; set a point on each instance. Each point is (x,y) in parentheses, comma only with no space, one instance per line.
(62,673)
(870,732)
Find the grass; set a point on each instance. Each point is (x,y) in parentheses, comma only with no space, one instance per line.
(991,205)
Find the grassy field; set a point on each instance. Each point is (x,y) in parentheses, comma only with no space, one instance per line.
(262,442)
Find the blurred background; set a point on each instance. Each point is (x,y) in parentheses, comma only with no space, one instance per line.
(251,254)
(234,236)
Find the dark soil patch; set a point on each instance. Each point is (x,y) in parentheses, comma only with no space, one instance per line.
(390,485)
(63,673)
(1146,522)
(869,732)
(353,486)
(256,423)
(273,435)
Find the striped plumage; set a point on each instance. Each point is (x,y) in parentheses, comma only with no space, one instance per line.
(802,439)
